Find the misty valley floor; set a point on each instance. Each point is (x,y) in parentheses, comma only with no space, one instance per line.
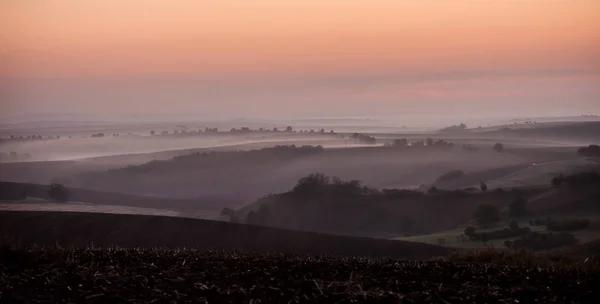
(186,276)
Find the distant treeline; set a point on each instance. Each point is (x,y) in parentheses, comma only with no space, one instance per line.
(207,130)
(14,156)
(217,158)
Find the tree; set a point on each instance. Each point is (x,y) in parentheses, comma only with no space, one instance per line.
(483,187)
(432,190)
(227,212)
(59,193)
(152,132)
(251,218)
(487,214)
(513,225)
(499,147)
(518,208)
(312,184)
(289,129)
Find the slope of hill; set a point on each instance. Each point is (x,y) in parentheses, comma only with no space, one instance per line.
(108,198)
(348,208)
(83,229)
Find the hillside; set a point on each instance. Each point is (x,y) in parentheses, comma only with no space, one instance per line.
(245,176)
(349,208)
(18,191)
(84,229)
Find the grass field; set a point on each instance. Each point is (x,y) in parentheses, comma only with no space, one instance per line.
(451,237)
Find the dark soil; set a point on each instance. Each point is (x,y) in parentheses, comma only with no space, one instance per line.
(191,276)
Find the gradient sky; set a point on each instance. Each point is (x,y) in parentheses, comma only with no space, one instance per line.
(282,58)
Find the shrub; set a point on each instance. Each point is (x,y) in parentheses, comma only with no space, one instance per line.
(498,147)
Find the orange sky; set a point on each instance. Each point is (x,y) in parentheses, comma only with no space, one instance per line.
(305,41)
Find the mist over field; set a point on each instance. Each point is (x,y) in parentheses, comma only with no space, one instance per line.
(268,151)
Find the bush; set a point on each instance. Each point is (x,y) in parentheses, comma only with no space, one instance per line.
(59,193)
(498,147)
(568,225)
(542,241)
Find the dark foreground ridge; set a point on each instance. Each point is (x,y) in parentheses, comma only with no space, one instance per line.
(192,276)
(130,231)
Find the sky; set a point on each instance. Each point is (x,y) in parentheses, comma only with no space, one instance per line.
(273,58)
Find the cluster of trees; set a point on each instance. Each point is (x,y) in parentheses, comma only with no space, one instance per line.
(258,217)
(469,148)
(455,128)
(429,142)
(14,156)
(364,138)
(513,230)
(577,180)
(288,129)
(317,185)
(542,241)
(98,134)
(568,224)
(487,214)
(590,151)
(32,137)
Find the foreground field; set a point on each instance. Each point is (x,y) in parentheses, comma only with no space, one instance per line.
(185,276)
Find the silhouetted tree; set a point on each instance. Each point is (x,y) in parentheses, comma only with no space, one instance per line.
(251,218)
(312,184)
(590,151)
(499,147)
(487,214)
(483,186)
(513,225)
(227,212)
(58,192)
(289,129)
